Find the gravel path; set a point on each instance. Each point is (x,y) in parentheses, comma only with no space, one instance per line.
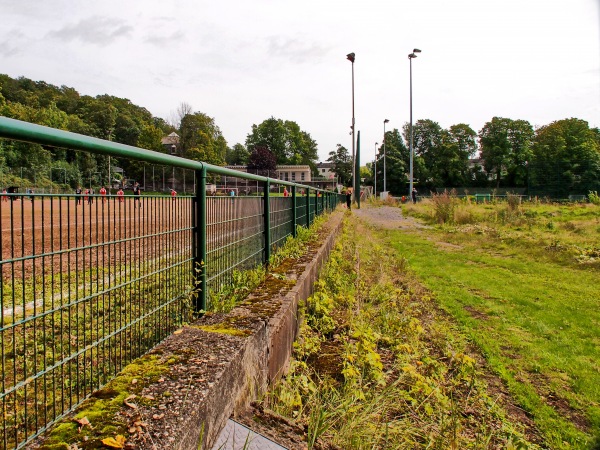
(389,217)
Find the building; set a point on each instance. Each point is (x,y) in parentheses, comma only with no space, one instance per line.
(325,170)
(170,143)
(300,174)
(296,174)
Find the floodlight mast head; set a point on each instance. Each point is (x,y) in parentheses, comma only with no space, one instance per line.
(350,57)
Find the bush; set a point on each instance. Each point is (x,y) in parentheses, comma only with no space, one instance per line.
(444,205)
(594,197)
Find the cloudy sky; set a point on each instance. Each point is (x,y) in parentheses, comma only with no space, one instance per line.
(242,61)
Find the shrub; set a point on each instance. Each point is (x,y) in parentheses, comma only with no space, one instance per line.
(444,205)
(594,197)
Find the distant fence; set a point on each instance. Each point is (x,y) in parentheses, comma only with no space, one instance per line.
(91,282)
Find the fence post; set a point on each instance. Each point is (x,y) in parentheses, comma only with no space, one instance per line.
(307,208)
(267,222)
(200,241)
(294,212)
(316,203)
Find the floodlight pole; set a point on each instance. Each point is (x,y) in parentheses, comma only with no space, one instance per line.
(384,170)
(375,172)
(410,58)
(351,57)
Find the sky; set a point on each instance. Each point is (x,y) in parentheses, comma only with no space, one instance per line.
(242,61)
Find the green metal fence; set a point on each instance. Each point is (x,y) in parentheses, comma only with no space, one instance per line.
(90,283)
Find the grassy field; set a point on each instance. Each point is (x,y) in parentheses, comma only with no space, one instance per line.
(479,329)
(522,281)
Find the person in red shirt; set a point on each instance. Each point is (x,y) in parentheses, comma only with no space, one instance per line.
(120,195)
(102,193)
(285,192)
(173,194)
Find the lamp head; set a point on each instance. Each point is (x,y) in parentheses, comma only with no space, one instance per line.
(411,56)
(386,121)
(350,57)
(416,50)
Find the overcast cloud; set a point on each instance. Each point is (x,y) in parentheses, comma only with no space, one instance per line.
(242,62)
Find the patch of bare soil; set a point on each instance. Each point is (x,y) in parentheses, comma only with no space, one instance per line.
(475,313)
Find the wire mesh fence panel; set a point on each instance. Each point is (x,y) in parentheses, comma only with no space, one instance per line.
(281,221)
(300,211)
(88,285)
(234,237)
(91,282)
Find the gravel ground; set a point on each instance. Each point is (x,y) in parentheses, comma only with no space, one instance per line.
(389,217)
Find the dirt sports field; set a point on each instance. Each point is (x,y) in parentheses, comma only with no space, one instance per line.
(61,233)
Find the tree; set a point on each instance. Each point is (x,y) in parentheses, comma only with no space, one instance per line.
(396,163)
(505,148)
(262,162)
(285,140)
(565,159)
(452,160)
(202,138)
(342,164)
(237,156)
(427,147)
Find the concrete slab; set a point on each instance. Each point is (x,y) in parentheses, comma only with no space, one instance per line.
(236,436)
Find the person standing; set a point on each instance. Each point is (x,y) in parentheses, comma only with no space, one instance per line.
(103,193)
(136,195)
(91,197)
(285,192)
(120,195)
(78,196)
(173,194)
(414,195)
(4,196)
(349,198)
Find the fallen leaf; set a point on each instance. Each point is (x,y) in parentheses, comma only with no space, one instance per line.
(116,442)
(83,422)
(178,331)
(161,380)
(127,401)
(134,381)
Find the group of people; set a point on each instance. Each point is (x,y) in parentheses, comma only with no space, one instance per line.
(88,195)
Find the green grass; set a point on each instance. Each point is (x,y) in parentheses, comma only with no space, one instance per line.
(529,303)
(379,366)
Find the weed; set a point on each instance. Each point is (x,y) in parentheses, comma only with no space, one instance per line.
(402,379)
(444,205)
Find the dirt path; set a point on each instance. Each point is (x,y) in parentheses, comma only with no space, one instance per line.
(388,217)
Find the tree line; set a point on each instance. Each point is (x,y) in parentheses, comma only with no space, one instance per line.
(558,159)
(119,120)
